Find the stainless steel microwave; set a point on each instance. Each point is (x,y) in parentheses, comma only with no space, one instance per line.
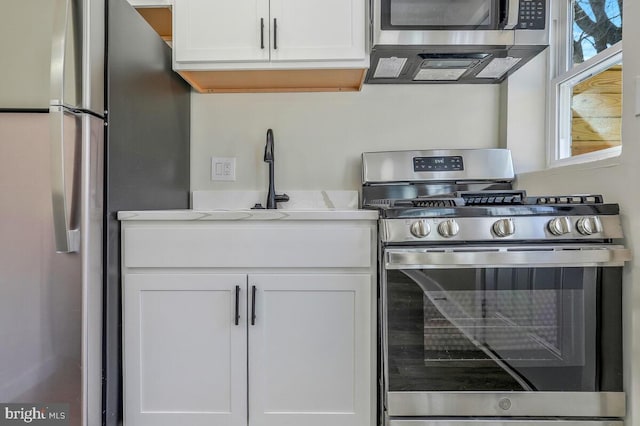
(454,41)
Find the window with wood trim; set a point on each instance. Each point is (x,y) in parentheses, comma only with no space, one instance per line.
(586,88)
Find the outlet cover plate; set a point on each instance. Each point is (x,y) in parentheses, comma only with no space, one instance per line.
(223,168)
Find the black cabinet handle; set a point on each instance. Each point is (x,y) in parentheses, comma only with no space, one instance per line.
(253,305)
(275,33)
(261,33)
(237,320)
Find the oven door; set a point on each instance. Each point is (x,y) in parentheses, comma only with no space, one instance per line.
(502,331)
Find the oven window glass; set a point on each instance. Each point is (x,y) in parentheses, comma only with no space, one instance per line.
(493,329)
(441,13)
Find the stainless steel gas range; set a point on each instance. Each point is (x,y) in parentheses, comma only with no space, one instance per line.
(494,307)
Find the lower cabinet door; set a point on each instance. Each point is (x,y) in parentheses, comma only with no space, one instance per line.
(185,358)
(310,354)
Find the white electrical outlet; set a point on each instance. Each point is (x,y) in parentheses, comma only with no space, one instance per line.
(223,168)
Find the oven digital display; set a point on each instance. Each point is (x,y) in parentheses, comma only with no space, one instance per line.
(438,164)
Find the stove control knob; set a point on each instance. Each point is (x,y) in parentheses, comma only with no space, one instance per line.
(504,227)
(559,226)
(448,228)
(589,225)
(420,228)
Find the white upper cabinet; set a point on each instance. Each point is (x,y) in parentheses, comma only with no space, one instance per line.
(221,30)
(269,34)
(303,30)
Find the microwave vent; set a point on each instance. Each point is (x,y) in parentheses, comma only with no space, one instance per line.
(441,74)
(447,64)
(389,67)
(498,67)
(444,68)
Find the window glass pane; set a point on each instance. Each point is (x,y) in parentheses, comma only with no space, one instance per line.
(597,24)
(596,109)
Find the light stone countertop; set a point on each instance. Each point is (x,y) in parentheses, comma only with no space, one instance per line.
(298,200)
(235,205)
(239,215)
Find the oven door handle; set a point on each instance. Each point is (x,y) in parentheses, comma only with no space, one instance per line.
(505,257)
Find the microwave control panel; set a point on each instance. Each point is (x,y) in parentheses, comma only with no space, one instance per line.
(532,15)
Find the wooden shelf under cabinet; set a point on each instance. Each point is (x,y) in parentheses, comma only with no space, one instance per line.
(312,80)
(160,20)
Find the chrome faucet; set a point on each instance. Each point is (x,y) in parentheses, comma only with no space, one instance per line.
(272,197)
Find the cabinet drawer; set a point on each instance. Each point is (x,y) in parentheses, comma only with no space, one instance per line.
(254,247)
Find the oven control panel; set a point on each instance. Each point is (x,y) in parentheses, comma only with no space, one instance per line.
(525,228)
(443,163)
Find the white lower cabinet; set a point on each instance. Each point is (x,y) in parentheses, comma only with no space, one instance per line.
(253,348)
(306,346)
(185,360)
(303,338)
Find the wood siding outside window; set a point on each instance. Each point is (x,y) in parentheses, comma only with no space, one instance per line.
(597,112)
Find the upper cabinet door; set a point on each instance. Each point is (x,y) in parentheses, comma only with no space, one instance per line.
(311,30)
(221,30)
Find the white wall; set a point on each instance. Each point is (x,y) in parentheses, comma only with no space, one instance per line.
(523,114)
(618,181)
(319,136)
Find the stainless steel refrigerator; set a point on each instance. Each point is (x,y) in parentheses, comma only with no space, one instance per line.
(92,121)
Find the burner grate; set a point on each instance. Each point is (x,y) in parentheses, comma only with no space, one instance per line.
(427,202)
(568,199)
(434,203)
(381,202)
(493,198)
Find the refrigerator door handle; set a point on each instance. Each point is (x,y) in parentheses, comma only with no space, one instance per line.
(67,239)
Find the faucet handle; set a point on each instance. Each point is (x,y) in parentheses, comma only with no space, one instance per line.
(282,198)
(268,147)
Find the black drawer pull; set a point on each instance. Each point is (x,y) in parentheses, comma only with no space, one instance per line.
(261,33)
(237,319)
(275,33)
(253,305)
